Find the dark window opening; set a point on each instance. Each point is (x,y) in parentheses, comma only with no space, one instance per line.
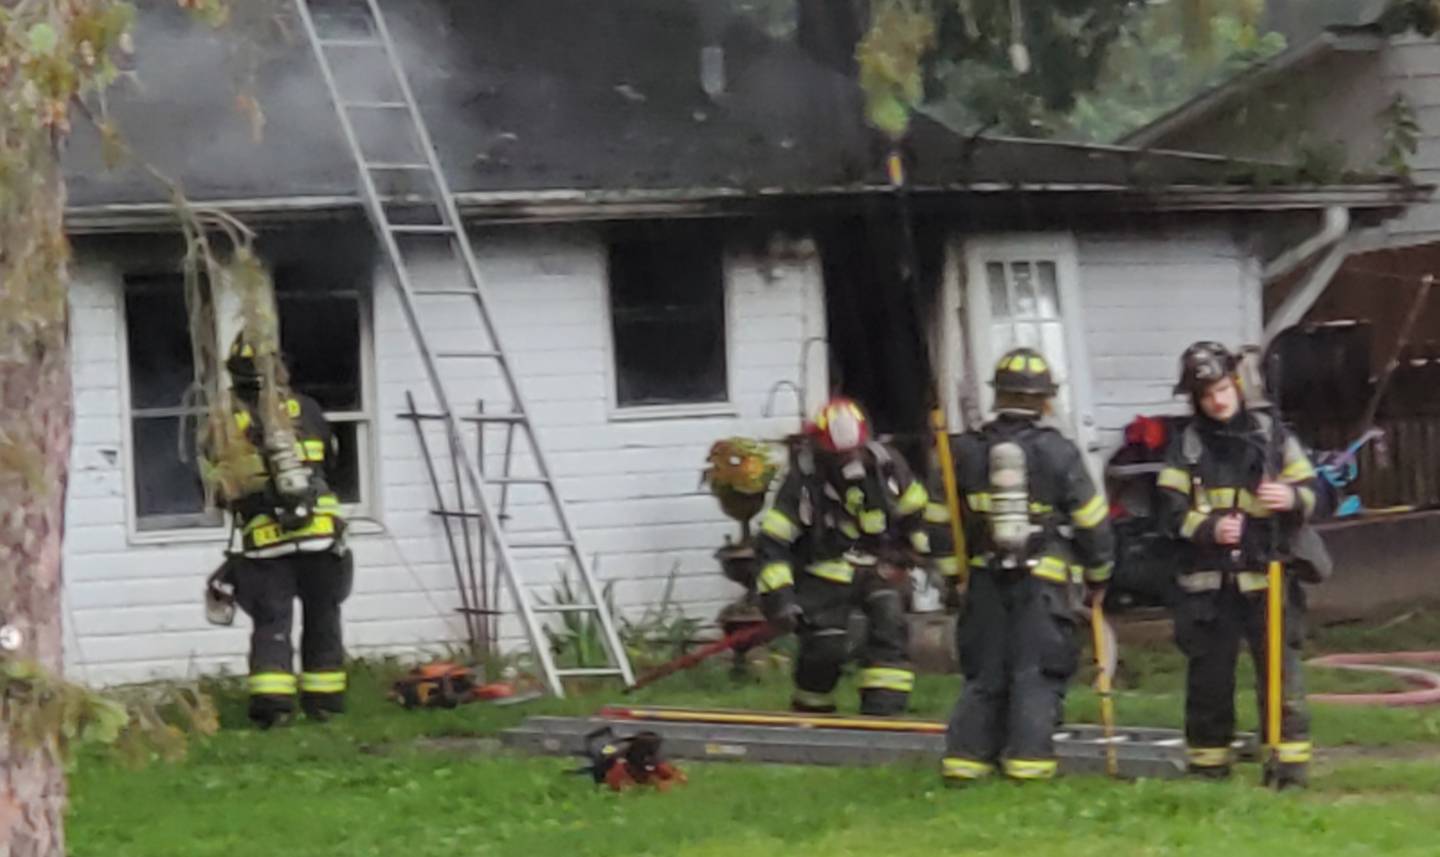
(667,310)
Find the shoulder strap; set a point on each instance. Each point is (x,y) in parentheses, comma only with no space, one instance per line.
(1190,446)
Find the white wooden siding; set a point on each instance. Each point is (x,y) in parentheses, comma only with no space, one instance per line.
(135,610)
(1148,295)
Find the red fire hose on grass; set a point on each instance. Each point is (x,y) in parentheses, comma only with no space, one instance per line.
(1426,682)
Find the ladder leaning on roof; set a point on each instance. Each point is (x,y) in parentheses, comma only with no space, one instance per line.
(351,35)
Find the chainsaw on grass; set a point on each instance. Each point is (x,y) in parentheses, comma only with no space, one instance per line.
(445,685)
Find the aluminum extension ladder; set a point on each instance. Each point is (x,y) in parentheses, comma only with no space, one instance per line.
(353,45)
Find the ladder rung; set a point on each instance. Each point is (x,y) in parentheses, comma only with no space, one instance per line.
(426,417)
(446,513)
(375,105)
(494,418)
(468,355)
(535,546)
(392,166)
(476,611)
(421,229)
(351,43)
(577,672)
(564,608)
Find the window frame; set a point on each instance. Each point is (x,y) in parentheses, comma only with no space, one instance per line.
(188,528)
(681,410)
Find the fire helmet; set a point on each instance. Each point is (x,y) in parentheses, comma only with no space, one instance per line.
(841,426)
(1202,364)
(1024,371)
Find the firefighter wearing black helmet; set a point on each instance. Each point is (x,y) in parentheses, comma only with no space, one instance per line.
(1036,527)
(1236,486)
(288,543)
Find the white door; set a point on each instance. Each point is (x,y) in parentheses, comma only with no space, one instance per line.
(1009,291)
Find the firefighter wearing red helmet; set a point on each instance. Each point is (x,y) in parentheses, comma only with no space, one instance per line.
(845,523)
(1238,487)
(1035,527)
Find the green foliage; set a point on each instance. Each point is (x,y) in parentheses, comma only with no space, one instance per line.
(578,641)
(891,58)
(1401,135)
(660,633)
(137,724)
(1149,70)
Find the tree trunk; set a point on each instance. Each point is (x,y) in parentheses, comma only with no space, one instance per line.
(35,437)
(35,405)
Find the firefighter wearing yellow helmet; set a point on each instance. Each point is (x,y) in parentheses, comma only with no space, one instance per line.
(845,525)
(1035,527)
(289,544)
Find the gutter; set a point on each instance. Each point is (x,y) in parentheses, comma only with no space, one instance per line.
(1335,241)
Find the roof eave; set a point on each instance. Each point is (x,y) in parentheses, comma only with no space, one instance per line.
(591,205)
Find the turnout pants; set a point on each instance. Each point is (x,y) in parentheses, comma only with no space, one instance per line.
(1018,648)
(886,678)
(1209,628)
(266,590)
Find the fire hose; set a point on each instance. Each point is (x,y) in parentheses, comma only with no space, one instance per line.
(1426,682)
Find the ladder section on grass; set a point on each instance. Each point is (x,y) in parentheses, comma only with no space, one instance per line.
(417,222)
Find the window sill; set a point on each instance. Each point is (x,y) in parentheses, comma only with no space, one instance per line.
(673,412)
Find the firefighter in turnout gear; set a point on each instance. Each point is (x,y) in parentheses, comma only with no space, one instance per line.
(845,525)
(1236,486)
(290,545)
(1035,526)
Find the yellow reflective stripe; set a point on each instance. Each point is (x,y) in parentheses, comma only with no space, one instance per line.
(242,420)
(1208,757)
(776,575)
(328,682)
(887,678)
(1192,523)
(949,566)
(1175,479)
(837,570)
(920,541)
(777,525)
(937,513)
(314,450)
(292,407)
(1092,514)
(1297,466)
(1293,752)
(1100,573)
(1051,568)
(978,502)
(1030,769)
(1222,498)
(1041,508)
(272,533)
(873,521)
(812,698)
(1200,581)
(1307,500)
(952,768)
(1251,581)
(327,501)
(913,500)
(978,562)
(272,684)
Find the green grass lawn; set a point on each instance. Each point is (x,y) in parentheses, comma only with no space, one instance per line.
(374,783)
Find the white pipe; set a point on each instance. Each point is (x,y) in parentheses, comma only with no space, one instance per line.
(1299,302)
(1337,223)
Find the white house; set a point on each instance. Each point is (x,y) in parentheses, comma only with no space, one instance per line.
(662,263)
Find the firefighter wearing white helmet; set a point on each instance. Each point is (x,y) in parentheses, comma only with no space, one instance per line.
(1035,526)
(845,524)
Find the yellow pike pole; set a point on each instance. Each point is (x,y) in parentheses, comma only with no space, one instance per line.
(952,492)
(1102,687)
(1274,647)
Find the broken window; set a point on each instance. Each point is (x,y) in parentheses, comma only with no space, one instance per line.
(324,340)
(667,311)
